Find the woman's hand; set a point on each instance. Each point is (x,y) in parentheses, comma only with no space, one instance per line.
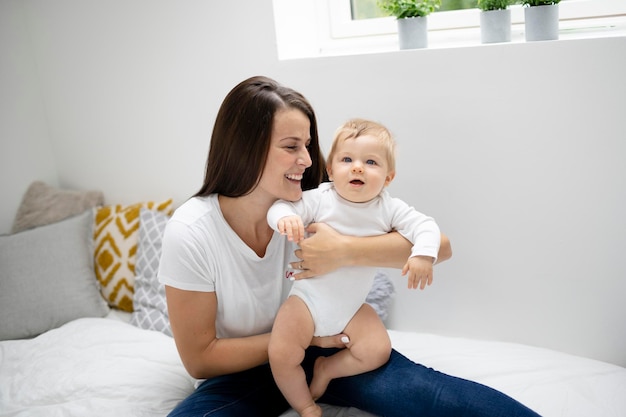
(321,253)
(338,341)
(327,250)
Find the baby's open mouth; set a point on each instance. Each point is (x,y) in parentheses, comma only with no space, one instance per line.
(357,182)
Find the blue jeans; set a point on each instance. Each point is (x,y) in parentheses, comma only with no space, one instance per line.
(399,388)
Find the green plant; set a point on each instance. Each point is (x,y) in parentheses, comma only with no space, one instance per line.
(487,5)
(409,8)
(538,2)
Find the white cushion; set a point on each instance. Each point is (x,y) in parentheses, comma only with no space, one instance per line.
(150,307)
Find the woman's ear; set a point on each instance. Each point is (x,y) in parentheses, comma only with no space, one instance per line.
(390,176)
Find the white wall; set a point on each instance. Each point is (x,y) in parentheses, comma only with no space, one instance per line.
(25,148)
(516,149)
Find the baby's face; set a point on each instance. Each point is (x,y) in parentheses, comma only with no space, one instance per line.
(359,169)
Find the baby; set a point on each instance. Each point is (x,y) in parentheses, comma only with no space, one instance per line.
(360,165)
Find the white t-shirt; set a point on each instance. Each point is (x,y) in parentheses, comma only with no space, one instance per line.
(333,299)
(202,253)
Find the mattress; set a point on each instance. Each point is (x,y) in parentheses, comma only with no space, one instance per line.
(107,367)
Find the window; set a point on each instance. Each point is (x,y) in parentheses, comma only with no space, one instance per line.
(368,9)
(309,28)
(453,14)
(345,24)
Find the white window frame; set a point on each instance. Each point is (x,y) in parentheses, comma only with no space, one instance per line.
(342,26)
(316,28)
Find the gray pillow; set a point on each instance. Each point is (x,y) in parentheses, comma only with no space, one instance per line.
(43,204)
(381,294)
(149,302)
(47,278)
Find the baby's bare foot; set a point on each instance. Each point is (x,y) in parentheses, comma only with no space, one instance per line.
(320,380)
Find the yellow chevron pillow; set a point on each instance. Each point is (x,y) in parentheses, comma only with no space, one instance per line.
(116,234)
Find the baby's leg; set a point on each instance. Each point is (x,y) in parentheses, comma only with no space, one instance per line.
(291,335)
(368,349)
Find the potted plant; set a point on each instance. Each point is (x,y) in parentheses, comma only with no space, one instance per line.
(495,20)
(412,20)
(541,19)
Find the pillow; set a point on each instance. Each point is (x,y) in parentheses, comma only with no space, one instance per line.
(47,278)
(116,236)
(149,303)
(381,294)
(43,204)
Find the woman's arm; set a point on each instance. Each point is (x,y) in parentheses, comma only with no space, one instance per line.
(192,317)
(327,250)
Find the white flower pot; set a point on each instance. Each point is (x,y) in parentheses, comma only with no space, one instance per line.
(495,26)
(413,32)
(541,22)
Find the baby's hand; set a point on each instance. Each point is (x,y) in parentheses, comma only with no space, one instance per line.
(293,227)
(420,269)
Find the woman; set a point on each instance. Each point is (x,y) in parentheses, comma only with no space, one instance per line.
(224,270)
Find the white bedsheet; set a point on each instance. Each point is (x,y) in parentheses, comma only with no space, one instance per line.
(92,367)
(552,383)
(104,367)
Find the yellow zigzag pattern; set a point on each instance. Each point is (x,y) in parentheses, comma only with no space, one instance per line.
(116,234)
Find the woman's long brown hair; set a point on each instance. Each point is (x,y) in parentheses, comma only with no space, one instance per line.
(242,133)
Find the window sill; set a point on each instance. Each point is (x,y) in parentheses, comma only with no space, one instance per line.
(614,26)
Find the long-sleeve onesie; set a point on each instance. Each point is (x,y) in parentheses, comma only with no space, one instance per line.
(334,298)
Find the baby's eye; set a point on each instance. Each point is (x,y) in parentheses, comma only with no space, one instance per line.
(346,159)
(370,162)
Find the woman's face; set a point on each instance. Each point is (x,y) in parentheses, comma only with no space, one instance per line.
(288,155)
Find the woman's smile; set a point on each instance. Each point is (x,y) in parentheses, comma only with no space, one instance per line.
(294,177)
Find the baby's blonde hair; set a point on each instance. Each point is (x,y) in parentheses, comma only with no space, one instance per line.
(354,128)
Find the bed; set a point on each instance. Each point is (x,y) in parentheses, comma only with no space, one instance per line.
(86,333)
(109,367)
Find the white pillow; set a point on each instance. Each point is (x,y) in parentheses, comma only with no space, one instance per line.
(381,294)
(149,303)
(47,277)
